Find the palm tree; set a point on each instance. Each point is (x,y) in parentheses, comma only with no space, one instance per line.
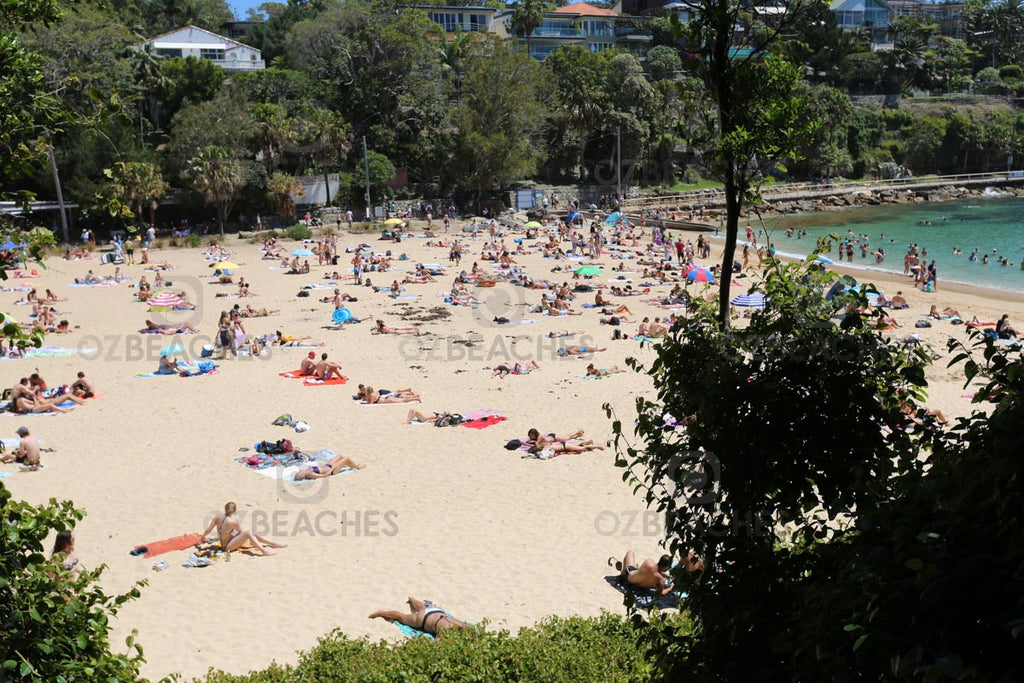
(215,173)
(137,184)
(527,15)
(450,56)
(281,187)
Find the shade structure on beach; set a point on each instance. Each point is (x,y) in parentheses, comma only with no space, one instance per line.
(588,271)
(822,259)
(394,221)
(699,274)
(172,349)
(755,300)
(165,300)
(533,224)
(225,265)
(305,253)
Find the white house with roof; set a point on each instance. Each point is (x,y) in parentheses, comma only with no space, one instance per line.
(871,15)
(192,41)
(579,23)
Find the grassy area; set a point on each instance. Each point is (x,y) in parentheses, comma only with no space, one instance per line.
(702,185)
(606,648)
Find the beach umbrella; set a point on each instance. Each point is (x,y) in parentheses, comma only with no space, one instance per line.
(9,244)
(573,217)
(755,300)
(613,218)
(588,271)
(303,252)
(822,259)
(165,300)
(341,315)
(394,221)
(226,265)
(700,275)
(533,224)
(172,349)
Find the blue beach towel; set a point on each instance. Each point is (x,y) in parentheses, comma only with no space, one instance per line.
(644,597)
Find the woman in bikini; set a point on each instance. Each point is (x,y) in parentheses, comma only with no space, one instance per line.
(424,617)
(332,466)
(64,554)
(374,397)
(231,536)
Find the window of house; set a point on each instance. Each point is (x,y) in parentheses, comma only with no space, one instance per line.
(214,54)
(169,51)
(447,20)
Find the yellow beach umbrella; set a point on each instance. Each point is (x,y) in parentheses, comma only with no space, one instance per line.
(226,265)
(394,221)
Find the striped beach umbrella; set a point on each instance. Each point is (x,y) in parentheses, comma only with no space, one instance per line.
(165,300)
(698,274)
(755,300)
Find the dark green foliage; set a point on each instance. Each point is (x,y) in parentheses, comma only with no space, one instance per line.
(298,232)
(555,651)
(52,628)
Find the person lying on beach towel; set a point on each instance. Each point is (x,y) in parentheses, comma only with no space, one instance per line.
(556,448)
(563,333)
(424,617)
(503,371)
(373,397)
(153,328)
(283,340)
(231,535)
(332,466)
(603,372)
(442,419)
(250,312)
(655,576)
(946,312)
(361,390)
(381,328)
(577,350)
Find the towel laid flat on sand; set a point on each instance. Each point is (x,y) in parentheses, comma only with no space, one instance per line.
(170,544)
(294,374)
(410,632)
(484,422)
(645,597)
(334,381)
(483,412)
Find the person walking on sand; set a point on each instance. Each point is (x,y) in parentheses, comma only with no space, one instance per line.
(231,535)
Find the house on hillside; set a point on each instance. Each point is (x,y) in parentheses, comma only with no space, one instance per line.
(594,28)
(468,19)
(947,14)
(192,41)
(873,16)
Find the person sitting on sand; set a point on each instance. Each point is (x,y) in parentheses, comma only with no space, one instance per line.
(26,452)
(577,350)
(603,372)
(946,312)
(184,328)
(64,555)
(424,617)
(231,535)
(167,366)
(325,369)
(373,397)
(503,371)
(655,576)
(1004,330)
(656,329)
(332,466)
(308,365)
(390,329)
(83,386)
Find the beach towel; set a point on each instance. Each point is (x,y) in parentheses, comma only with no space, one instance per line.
(4,475)
(334,381)
(410,632)
(320,285)
(170,544)
(484,422)
(986,323)
(294,374)
(284,467)
(477,414)
(524,321)
(47,352)
(645,597)
(405,297)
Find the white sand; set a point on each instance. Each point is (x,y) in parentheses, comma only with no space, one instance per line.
(444,514)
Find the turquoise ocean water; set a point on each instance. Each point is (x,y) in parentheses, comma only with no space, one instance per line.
(993,225)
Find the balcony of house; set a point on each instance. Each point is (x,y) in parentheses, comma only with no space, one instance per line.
(633,33)
(557,32)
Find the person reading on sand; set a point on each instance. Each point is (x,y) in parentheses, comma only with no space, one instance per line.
(577,350)
(83,386)
(503,371)
(603,372)
(26,452)
(325,369)
(655,576)
(423,617)
(390,329)
(231,535)
(331,467)
(374,397)
(153,328)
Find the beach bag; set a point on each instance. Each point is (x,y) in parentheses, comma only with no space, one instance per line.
(922,323)
(304,292)
(206,366)
(443,421)
(513,445)
(282,420)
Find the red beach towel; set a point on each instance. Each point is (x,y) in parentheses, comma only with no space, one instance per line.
(484,422)
(171,544)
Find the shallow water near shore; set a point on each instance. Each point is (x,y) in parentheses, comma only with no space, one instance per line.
(992,225)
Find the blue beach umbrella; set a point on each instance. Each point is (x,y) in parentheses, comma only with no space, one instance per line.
(700,275)
(755,300)
(172,349)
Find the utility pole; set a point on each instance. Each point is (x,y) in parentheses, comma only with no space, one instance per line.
(60,192)
(618,163)
(366,169)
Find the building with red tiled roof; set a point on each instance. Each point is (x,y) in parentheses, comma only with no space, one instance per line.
(585,9)
(582,24)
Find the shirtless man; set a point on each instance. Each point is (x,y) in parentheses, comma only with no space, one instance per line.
(424,617)
(308,365)
(577,350)
(184,328)
(653,575)
(83,386)
(326,369)
(231,536)
(339,299)
(27,452)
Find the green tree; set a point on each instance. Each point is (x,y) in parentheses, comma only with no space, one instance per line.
(53,627)
(218,176)
(581,98)
(527,16)
(925,144)
(281,187)
(498,138)
(134,186)
(187,81)
(757,115)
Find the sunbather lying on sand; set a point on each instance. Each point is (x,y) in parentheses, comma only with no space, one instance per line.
(535,437)
(653,575)
(153,328)
(946,312)
(362,389)
(381,328)
(577,350)
(563,333)
(231,536)
(374,397)
(332,466)
(250,312)
(417,416)
(503,371)
(603,372)
(288,340)
(423,617)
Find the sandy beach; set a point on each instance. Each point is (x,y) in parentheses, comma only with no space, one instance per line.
(445,514)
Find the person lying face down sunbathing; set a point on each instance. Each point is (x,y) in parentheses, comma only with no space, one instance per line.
(577,350)
(374,397)
(503,371)
(184,328)
(390,329)
(603,372)
(231,535)
(332,466)
(423,617)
